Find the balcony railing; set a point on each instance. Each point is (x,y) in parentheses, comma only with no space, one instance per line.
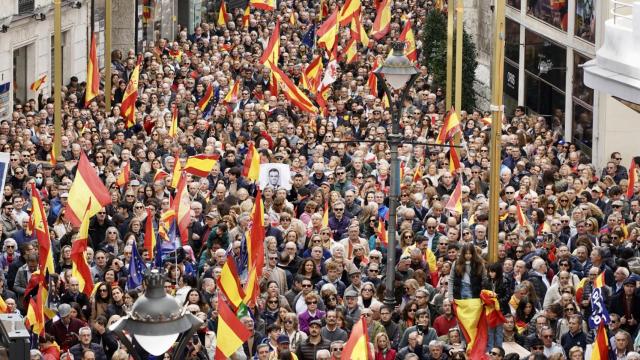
(621,12)
(25,6)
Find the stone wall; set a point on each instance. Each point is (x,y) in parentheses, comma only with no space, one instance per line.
(478,21)
(122,24)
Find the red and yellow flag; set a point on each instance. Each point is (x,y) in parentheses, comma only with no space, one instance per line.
(160,175)
(173,129)
(204,101)
(149,235)
(87,190)
(201,164)
(328,32)
(177,172)
(522,218)
(231,332)
(454,159)
(131,96)
(351,50)
(268,5)
(36,85)
(232,95)
(41,230)
(455,200)
(246,16)
(312,74)
(80,268)
(223,16)
(372,82)
(292,92)
(255,249)
(229,283)
(450,127)
(382,23)
(325,215)
(492,308)
(473,323)
(357,347)
(125,175)
(632,179)
(35,314)
(93,73)
(350,9)
(183,210)
(251,168)
(409,40)
(381,232)
(3,306)
(418,173)
(359,31)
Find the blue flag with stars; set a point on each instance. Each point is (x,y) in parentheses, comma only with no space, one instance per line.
(136,269)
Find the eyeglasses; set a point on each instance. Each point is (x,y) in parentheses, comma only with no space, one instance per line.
(312,302)
(493,353)
(547,336)
(569,309)
(273,302)
(336,349)
(306,285)
(367,289)
(509,192)
(537,347)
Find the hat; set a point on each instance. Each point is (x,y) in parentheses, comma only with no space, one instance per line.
(325,183)
(561,142)
(350,293)
(629,280)
(283,339)
(315,322)
(617,203)
(374,266)
(597,189)
(134,182)
(60,166)
(354,271)
(211,215)
(47,165)
(536,342)
(64,194)
(64,310)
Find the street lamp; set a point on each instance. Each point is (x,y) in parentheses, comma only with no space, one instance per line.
(398,70)
(156,321)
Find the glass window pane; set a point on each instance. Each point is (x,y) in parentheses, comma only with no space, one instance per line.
(585,20)
(582,131)
(543,99)
(514,3)
(512,40)
(545,59)
(553,12)
(580,90)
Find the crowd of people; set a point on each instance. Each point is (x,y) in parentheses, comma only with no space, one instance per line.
(319,279)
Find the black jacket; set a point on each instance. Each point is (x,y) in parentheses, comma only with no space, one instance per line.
(308,350)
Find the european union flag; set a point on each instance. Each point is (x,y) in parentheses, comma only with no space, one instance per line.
(136,269)
(310,37)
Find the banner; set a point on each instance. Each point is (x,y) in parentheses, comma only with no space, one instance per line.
(5,159)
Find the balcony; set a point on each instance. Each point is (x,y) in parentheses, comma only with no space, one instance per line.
(616,69)
(26,6)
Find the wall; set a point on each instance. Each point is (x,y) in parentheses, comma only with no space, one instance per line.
(620,131)
(478,21)
(122,34)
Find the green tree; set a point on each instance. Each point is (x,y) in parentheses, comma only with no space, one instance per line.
(435,42)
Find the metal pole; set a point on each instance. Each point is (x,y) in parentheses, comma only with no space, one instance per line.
(448,90)
(57,71)
(496,127)
(394,139)
(107,56)
(136,20)
(459,32)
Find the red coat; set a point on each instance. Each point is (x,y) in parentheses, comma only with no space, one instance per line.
(391,355)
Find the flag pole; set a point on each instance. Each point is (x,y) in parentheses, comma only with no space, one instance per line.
(57,73)
(449,80)
(496,126)
(107,56)
(459,33)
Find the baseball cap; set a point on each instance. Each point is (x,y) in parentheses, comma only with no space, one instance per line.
(283,339)
(64,310)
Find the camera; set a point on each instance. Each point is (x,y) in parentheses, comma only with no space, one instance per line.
(421,328)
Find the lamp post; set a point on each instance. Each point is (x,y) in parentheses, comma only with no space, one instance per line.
(156,321)
(400,73)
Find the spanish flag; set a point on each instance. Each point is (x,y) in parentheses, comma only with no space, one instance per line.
(131,96)
(418,173)
(223,17)
(350,9)
(36,85)
(201,164)
(173,129)
(522,218)
(328,32)
(231,332)
(351,50)
(246,16)
(80,269)
(41,230)
(204,101)
(251,168)
(600,350)
(232,95)
(267,5)
(492,308)
(229,283)
(177,172)
(160,175)
(292,19)
(382,23)
(87,193)
(125,174)
(454,159)
(580,289)
(381,232)
(472,320)
(93,73)
(271,54)
(292,93)
(149,235)
(256,234)
(182,208)
(358,29)
(312,74)
(632,179)
(3,305)
(357,347)
(450,127)
(372,81)
(455,201)
(35,314)
(325,215)
(409,39)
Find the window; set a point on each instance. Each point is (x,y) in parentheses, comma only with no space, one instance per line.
(585,20)
(512,40)
(25,6)
(545,59)
(514,3)
(580,90)
(553,12)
